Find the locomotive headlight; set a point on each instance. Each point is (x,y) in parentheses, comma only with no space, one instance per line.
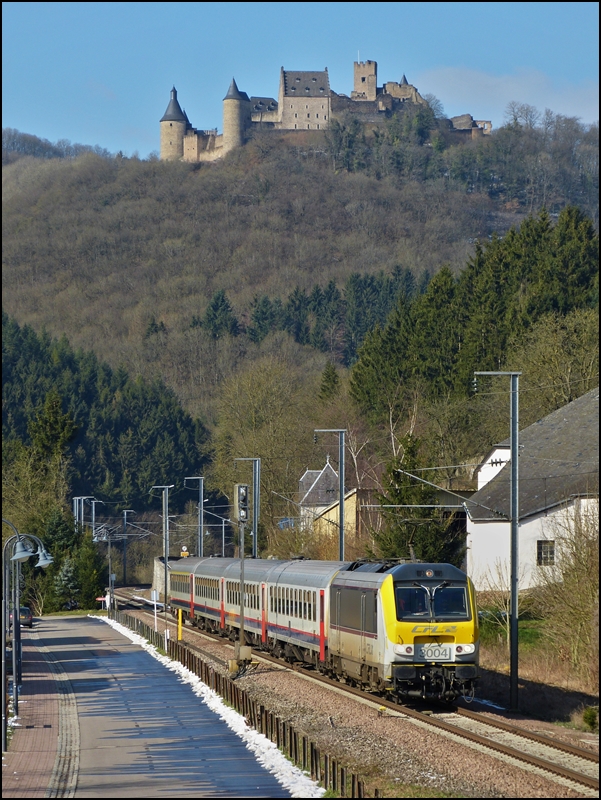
(403,649)
(465,649)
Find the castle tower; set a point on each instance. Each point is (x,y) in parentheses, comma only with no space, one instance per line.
(173,128)
(236,117)
(365,80)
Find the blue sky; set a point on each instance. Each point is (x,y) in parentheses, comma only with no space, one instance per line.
(100,73)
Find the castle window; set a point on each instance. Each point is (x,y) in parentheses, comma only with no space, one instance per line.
(362,80)
(308,126)
(308,116)
(325,116)
(171,124)
(291,106)
(295,124)
(295,116)
(306,106)
(317,116)
(318,127)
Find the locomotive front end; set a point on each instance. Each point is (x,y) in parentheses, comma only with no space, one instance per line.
(432,631)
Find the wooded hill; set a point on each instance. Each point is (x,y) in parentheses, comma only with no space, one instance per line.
(127,257)
(247,290)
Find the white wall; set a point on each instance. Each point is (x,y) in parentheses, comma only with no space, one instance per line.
(488,543)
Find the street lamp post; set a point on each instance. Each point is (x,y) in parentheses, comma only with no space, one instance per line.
(514,516)
(340,432)
(20,544)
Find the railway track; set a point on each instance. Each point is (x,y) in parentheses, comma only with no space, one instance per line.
(562,762)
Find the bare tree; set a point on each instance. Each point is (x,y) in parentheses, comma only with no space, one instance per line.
(568,593)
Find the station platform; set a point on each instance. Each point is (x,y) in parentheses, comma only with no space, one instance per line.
(100,717)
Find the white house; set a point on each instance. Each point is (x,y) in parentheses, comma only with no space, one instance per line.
(558,477)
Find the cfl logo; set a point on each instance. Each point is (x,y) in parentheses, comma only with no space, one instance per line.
(241,502)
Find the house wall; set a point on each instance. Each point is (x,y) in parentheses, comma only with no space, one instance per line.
(488,546)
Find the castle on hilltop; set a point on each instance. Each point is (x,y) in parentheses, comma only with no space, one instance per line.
(305,102)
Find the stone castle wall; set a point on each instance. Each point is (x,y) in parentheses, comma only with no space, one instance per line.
(305,103)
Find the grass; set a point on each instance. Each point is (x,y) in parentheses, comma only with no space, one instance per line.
(78,612)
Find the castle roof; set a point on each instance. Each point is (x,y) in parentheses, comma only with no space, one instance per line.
(174,112)
(233,93)
(404,81)
(306,84)
(259,104)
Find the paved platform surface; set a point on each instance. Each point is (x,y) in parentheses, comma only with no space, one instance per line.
(101,718)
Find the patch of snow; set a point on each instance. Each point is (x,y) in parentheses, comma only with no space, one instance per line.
(297,782)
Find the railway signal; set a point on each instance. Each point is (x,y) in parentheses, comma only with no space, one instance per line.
(241,502)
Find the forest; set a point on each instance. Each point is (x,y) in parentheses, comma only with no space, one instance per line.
(162,319)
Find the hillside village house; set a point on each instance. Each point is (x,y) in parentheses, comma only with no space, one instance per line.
(319,492)
(558,479)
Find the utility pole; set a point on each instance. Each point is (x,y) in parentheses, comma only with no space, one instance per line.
(165,538)
(200,543)
(514,516)
(125,513)
(340,432)
(93,504)
(242,653)
(256,501)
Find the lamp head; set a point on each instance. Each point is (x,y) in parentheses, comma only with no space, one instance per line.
(22,552)
(44,558)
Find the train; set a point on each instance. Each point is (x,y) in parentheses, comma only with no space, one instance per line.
(402,629)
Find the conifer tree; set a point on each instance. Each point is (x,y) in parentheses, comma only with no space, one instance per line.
(330,382)
(219,318)
(425,534)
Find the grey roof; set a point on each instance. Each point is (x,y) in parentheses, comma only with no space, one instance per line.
(259,104)
(174,112)
(559,459)
(404,81)
(306,84)
(319,487)
(233,93)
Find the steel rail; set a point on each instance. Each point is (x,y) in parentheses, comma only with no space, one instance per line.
(540,738)
(445,726)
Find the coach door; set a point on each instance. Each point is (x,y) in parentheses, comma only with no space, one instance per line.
(362,634)
(335,615)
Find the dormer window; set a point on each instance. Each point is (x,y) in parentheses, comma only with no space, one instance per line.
(321,89)
(298,80)
(314,80)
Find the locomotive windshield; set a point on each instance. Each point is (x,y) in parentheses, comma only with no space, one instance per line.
(435,603)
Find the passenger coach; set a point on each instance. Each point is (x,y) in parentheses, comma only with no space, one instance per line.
(406,628)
